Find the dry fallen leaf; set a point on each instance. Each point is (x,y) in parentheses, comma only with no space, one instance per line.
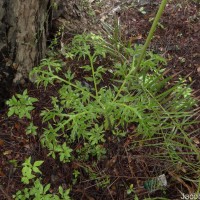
(1,173)
(132,39)
(180,180)
(1,142)
(196,140)
(8,152)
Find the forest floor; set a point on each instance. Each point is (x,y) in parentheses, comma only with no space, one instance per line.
(178,40)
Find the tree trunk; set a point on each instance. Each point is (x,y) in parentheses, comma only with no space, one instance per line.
(23,31)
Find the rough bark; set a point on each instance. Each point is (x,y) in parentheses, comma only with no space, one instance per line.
(23,26)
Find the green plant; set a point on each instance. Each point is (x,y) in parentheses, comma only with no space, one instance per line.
(37,191)
(28,169)
(101,180)
(91,108)
(31,129)
(130,189)
(88,109)
(21,106)
(76,174)
(40,192)
(142,10)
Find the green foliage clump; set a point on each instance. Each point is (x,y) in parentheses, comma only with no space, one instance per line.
(38,191)
(28,169)
(114,88)
(87,108)
(22,105)
(95,101)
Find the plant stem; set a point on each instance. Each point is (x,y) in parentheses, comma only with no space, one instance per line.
(75,86)
(148,40)
(189,141)
(93,74)
(151,32)
(4,193)
(125,80)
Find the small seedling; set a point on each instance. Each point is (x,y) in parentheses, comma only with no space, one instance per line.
(21,105)
(28,170)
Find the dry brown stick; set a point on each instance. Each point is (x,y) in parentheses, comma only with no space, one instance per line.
(4,193)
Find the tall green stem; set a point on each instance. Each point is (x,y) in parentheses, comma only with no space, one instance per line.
(148,40)
(93,73)
(151,32)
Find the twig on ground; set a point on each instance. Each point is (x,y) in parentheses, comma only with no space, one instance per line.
(4,193)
